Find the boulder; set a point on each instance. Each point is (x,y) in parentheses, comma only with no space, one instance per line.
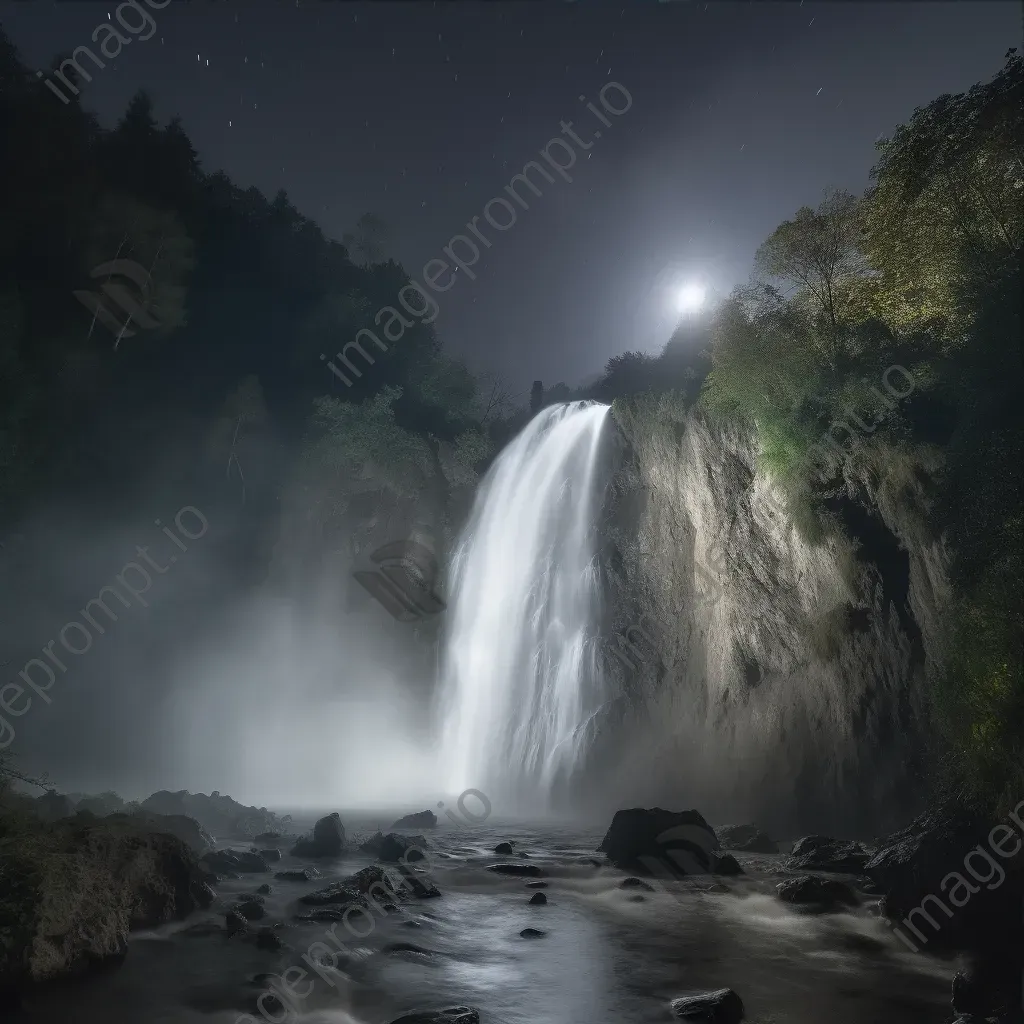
(654,841)
(822,853)
(328,839)
(264,890)
(635,883)
(538,899)
(187,829)
(251,907)
(726,864)
(224,862)
(722,1006)
(453,1015)
(71,893)
(299,875)
(532,933)
(529,870)
(745,839)
(268,939)
(271,855)
(912,865)
(423,890)
(988,985)
(235,922)
(374,882)
(394,848)
(422,819)
(504,849)
(822,893)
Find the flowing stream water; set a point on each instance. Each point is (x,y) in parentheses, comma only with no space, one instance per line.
(520,676)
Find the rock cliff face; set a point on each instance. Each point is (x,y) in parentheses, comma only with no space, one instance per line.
(763,663)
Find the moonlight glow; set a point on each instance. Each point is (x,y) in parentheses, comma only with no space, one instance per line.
(690,298)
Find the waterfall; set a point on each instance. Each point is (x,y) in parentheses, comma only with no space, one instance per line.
(519,676)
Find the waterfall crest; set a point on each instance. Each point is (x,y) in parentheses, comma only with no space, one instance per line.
(519,677)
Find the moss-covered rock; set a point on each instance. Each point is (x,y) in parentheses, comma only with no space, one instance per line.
(70,892)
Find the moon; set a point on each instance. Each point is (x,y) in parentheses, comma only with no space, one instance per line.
(690,297)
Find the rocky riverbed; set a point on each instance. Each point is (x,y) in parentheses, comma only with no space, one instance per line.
(341,938)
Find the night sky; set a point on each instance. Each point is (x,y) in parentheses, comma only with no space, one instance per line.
(422,112)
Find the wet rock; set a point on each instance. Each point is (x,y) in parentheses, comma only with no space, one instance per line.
(636,883)
(72,891)
(323,914)
(328,839)
(722,1006)
(235,922)
(913,869)
(726,864)
(637,898)
(227,862)
(654,841)
(268,939)
(373,882)
(264,889)
(745,839)
(538,899)
(536,885)
(423,890)
(251,908)
(422,819)
(824,893)
(504,849)
(298,875)
(530,870)
(989,984)
(453,1015)
(532,933)
(822,853)
(270,855)
(394,849)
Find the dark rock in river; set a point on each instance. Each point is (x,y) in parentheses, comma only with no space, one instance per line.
(235,922)
(264,889)
(425,890)
(251,907)
(504,849)
(394,848)
(989,985)
(422,819)
(270,855)
(536,885)
(653,841)
(726,864)
(301,875)
(532,933)
(72,892)
(188,830)
(929,867)
(225,861)
(453,1015)
(374,882)
(635,883)
(745,839)
(822,853)
(267,938)
(328,839)
(720,1007)
(824,893)
(530,870)
(538,898)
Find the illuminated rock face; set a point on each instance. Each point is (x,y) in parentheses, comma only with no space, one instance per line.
(769,666)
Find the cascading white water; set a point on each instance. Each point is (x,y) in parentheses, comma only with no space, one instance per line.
(520,680)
